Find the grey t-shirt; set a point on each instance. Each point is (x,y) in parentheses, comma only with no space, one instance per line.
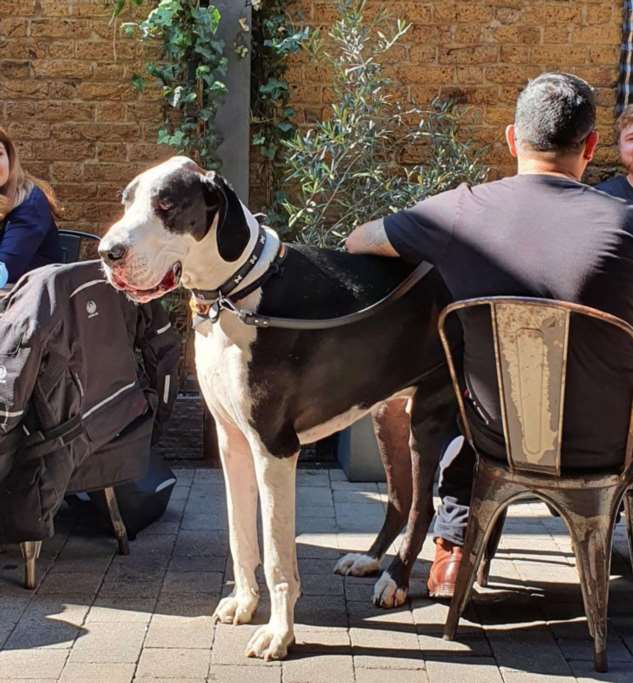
(541,236)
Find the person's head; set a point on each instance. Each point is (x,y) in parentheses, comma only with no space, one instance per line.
(554,122)
(15,182)
(624,128)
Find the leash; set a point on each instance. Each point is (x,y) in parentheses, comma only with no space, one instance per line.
(206,310)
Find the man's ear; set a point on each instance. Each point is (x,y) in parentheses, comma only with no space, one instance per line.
(232,232)
(590,145)
(511,139)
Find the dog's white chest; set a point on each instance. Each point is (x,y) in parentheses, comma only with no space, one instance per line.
(222,357)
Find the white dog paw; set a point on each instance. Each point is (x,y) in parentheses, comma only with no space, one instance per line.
(236,609)
(270,642)
(387,593)
(357,564)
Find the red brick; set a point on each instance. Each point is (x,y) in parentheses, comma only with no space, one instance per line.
(15,69)
(149,152)
(430,75)
(62,49)
(50,111)
(27,89)
(557,34)
(105,91)
(29,130)
(110,111)
(18,8)
(552,13)
(470,74)
(560,56)
(608,34)
(61,68)
(12,27)
(69,192)
(601,14)
(66,171)
(484,54)
(515,54)
(23,48)
(63,90)
(60,28)
(65,151)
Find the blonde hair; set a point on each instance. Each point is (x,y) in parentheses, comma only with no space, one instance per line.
(625,119)
(20,183)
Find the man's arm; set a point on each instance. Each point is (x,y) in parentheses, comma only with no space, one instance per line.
(370,238)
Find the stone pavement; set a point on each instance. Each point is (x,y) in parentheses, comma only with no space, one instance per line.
(99,617)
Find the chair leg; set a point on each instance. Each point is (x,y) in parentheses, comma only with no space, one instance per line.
(592,538)
(30,552)
(628,512)
(117,522)
(487,502)
(491,550)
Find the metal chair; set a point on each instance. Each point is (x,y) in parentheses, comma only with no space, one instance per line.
(531,341)
(76,246)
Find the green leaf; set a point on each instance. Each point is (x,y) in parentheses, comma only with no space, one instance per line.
(138,82)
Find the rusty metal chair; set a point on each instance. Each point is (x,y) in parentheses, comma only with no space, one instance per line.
(531,340)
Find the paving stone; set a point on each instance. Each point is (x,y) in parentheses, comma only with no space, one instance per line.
(515,651)
(317,668)
(59,583)
(237,674)
(39,664)
(120,610)
(105,642)
(229,646)
(65,608)
(97,673)
(382,675)
(175,663)
(459,670)
(322,584)
(171,631)
(584,672)
(192,582)
(42,633)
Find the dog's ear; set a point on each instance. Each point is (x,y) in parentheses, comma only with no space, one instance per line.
(233,233)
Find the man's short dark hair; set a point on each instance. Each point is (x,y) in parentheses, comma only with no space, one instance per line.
(555,112)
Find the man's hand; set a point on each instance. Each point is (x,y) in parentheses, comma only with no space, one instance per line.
(370,238)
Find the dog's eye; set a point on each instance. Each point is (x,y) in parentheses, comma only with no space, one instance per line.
(165,204)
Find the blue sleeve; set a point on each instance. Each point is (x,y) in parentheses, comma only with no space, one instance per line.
(25,229)
(423,232)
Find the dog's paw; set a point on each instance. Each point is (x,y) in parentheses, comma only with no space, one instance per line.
(236,609)
(357,564)
(270,642)
(387,593)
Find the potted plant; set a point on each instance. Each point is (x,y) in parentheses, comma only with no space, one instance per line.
(351,167)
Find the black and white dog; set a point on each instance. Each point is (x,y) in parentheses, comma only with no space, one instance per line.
(271,390)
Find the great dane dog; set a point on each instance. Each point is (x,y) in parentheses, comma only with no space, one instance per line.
(271,390)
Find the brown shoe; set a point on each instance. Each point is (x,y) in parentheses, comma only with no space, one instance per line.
(448,557)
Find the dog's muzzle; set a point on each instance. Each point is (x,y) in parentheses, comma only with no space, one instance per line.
(169,282)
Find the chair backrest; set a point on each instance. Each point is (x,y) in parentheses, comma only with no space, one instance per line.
(531,341)
(77,245)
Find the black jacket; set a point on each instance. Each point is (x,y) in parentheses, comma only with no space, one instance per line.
(83,373)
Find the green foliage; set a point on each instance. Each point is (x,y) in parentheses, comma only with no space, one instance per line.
(349,168)
(191,73)
(274,39)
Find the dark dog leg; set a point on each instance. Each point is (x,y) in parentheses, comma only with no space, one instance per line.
(392,427)
(433,412)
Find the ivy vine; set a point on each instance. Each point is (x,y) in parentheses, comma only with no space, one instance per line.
(191,73)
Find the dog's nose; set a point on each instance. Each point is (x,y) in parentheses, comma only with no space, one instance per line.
(111,253)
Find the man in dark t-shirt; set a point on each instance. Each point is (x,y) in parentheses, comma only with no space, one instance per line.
(622,185)
(539,233)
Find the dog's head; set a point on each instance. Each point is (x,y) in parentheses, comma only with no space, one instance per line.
(172,211)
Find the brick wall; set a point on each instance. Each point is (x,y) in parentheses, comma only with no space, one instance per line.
(482,52)
(67,102)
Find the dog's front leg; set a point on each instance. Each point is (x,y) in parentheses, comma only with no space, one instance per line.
(276,480)
(241,498)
